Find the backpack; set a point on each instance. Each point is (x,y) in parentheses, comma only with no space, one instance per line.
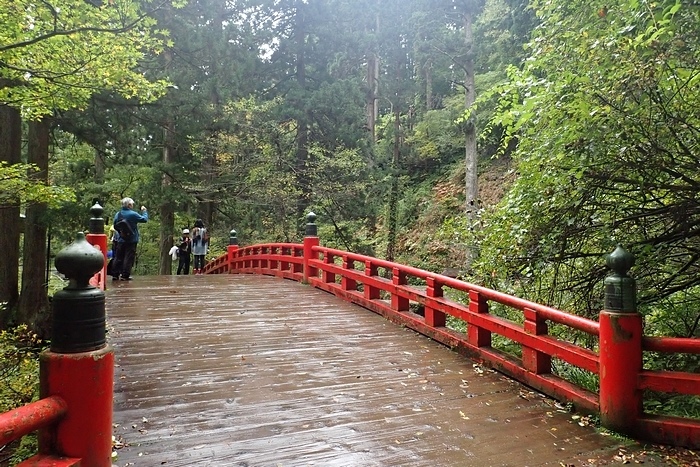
(124,228)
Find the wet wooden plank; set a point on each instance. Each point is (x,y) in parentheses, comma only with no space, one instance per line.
(257,371)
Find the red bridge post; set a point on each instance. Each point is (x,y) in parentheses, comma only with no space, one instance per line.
(98,240)
(79,366)
(231,249)
(620,347)
(310,240)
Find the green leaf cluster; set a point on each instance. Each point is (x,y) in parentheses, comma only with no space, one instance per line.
(16,185)
(19,367)
(55,55)
(604,111)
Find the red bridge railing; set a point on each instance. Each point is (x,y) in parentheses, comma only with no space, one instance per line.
(400,292)
(74,415)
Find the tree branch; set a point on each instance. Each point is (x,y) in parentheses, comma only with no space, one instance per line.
(69,32)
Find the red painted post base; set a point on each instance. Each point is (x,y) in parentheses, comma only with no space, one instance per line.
(310,273)
(85,382)
(620,365)
(230,251)
(99,241)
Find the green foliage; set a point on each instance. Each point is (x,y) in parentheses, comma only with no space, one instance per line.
(257,177)
(675,405)
(19,367)
(603,114)
(147,250)
(55,56)
(19,379)
(436,142)
(17,185)
(28,446)
(676,316)
(578,376)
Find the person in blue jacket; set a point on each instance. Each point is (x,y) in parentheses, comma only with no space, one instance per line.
(126,243)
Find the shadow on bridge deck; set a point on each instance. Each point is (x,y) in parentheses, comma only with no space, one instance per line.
(258,371)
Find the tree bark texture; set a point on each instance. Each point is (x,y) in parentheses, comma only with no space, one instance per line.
(100,168)
(429,85)
(167,209)
(302,149)
(10,152)
(207,206)
(372,107)
(471,156)
(373,63)
(394,195)
(33,308)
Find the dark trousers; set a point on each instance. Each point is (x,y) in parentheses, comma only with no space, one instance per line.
(124,259)
(199,261)
(183,265)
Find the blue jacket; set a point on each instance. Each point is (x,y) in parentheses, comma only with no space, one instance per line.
(133,218)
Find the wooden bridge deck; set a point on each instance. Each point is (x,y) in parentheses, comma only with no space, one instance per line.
(257,371)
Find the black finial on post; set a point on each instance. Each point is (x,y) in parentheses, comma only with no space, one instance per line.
(620,288)
(232,238)
(97,223)
(78,309)
(311,227)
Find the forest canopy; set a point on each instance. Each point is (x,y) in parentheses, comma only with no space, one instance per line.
(518,142)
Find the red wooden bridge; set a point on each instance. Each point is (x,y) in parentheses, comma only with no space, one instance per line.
(259,371)
(241,367)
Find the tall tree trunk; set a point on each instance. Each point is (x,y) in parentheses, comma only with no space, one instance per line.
(166,208)
(394,194)
(207,206)
(99,167)
(10,152)
(302,149)
(372,109)
(33,308)
(373,85)
(429,85)
(471,157)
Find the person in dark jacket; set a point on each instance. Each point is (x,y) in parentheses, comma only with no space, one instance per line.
(126,245)
(184,254)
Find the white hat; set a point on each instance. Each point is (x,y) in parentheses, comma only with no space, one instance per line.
(185,231)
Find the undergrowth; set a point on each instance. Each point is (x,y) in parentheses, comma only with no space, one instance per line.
(19,381)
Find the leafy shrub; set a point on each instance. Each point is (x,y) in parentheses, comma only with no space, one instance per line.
(19,367)
(19,379)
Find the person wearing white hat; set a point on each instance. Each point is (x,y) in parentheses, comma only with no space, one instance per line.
(184,253)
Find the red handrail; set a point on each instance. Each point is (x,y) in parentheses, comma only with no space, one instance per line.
(31,417)
(74,415)
(671,344)
(552,314)
(356,278)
